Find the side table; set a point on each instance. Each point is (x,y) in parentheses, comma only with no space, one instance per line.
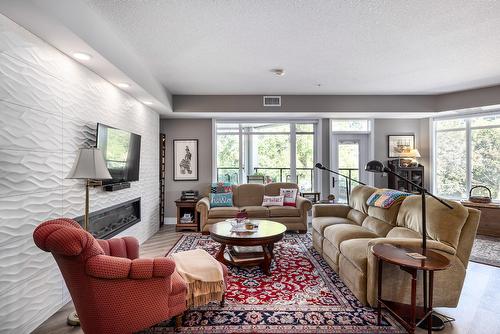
(186,206)
(407,314)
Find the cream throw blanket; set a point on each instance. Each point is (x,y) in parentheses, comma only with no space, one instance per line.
(203,275)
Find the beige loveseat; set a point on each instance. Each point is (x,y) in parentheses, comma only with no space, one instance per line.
(249,197)
(345,234)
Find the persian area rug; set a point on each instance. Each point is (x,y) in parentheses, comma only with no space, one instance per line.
(303,295)
(486,250)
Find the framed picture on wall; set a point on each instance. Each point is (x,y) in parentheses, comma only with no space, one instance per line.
(398,144)
(185,159)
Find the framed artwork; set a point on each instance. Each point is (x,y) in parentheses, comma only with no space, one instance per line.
(398,144)
(185,159)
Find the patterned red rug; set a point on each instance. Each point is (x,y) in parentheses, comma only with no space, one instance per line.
(304,295)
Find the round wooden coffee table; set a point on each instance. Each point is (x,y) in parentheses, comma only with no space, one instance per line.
(247,248)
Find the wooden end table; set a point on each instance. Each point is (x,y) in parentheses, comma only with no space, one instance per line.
(186,206)
(407,314)
(248,248)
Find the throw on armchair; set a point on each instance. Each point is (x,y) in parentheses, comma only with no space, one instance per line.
(113,290)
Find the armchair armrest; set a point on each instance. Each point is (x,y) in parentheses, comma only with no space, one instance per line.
(412,242)
(303,204)
(203,205)
(330,210)
(110,267)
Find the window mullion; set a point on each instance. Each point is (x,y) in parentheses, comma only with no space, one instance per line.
(293,153)
(240,154)
(468,147)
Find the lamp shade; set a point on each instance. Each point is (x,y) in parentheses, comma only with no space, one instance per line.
(413,153)
(89,164)
(375,166)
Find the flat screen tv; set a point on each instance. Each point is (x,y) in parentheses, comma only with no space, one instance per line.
(121,151)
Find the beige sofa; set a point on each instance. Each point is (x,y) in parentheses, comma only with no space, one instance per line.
(249,197)
(345,234)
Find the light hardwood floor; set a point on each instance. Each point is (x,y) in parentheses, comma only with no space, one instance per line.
(477,313)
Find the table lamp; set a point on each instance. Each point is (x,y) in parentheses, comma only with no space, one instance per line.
(409,154)
(89,165)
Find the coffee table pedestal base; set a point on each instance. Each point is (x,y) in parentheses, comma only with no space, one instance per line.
(247,256)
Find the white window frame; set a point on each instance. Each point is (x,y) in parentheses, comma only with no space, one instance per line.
(293,144)
(468,142)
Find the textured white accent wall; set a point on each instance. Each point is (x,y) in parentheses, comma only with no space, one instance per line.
(49,106)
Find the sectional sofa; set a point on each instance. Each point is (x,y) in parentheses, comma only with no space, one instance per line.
(345,234)
(249,197)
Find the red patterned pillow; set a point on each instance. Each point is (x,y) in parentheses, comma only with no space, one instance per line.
(289,195)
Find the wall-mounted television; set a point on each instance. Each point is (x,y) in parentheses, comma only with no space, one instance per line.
(121,151)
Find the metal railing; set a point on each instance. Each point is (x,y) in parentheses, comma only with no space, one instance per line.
(230,174)
(282,174)
(345,185)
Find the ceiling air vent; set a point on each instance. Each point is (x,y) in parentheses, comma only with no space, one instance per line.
(272,101)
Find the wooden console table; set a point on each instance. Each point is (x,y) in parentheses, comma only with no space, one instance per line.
(489,223)
(407,314)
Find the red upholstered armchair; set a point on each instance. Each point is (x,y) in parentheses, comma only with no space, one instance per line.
(113,290)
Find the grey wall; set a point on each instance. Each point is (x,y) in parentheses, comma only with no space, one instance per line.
(200,129)
(473,98)
(305,103)
(49,107)
(385,127)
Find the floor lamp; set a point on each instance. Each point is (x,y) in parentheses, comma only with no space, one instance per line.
(89,165)
(376,166)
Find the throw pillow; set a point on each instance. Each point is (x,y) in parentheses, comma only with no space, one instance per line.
(385,198)
(289,196)
(221,187)
(221,200)
(273,201)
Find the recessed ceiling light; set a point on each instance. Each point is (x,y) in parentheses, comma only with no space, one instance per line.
(278,71)
(123,85)
(81,56)
(148,103)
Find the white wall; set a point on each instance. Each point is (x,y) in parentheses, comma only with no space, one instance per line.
(49,106)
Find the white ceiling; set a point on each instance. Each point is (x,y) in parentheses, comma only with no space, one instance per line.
(349,47)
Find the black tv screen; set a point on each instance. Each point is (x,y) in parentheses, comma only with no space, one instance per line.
(121,151)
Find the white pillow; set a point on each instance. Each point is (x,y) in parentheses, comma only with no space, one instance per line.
(290,196)
(273,201)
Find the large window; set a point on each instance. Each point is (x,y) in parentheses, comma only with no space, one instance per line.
(271,151)
(466,154)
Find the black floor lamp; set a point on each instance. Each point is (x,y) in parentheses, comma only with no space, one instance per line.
(347,178)
(376,166)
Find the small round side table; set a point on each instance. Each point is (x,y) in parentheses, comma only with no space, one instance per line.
(406,314)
